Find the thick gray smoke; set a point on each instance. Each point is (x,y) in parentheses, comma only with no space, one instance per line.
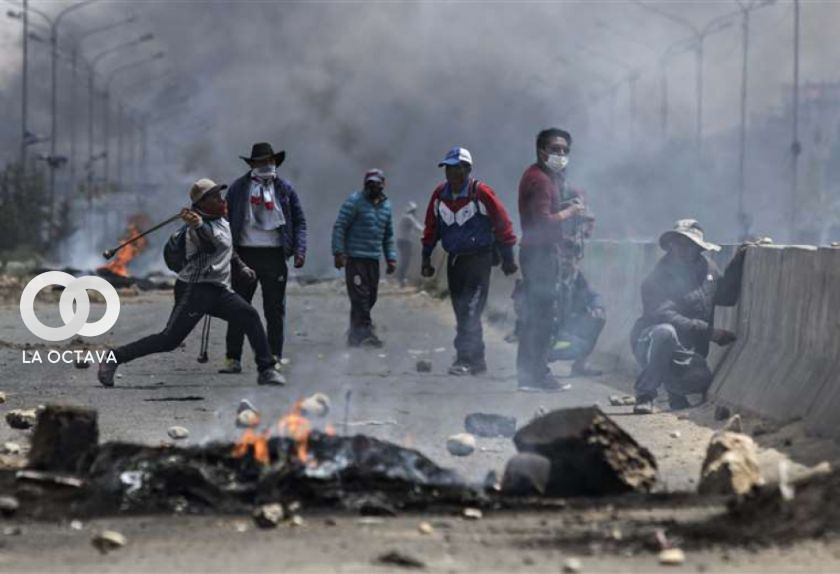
(347,86)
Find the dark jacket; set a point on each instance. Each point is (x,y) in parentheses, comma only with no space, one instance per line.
(685,297)
(293,234)
(577,299)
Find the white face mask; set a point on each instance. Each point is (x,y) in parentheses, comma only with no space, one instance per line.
(266,172)
(556,162)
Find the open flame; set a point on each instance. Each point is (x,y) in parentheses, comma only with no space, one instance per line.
(293,425)
(119,264)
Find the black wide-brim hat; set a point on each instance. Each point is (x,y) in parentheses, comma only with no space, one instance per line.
(263,150)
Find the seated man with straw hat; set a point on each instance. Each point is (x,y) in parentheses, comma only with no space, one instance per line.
(671,339)
(203,288)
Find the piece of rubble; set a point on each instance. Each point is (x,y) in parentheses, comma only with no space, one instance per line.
(76,525)
(622,400)
(108,540)
(730,466)
(425,528)
(572,565)
(2,397)
(526,474)
(247,419)
(11,448)
(424,366)
(297,520)
(722,412)
(63,436)
(178,433)
(671,557)
(490,425)
(734,424)
(21,419)
(268,515)
(401,559)
(12,531)
(590,455)
(318,405)
(472,514)
(461,444)
(675,434)
(8,505)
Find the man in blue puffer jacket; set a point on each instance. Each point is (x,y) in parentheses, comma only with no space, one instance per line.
(364,229)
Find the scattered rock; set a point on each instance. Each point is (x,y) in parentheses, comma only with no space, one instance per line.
(2,397)
(8,505)
(461,444)
(12,531)
(108,540)
(671,557)
(424,366)
(76,525)
(490,425)
(11,448)
(572,565)
(472,514)
(268,515)
(734,424)
(526,474)
(425,528)
(297,520)
(318,405)
(675,434)
(590,455)
(178,433)
(730,466)
(722,413)
(21,419)
(622,400)
(64,435)
(247,419)
(81,364)
(401,559)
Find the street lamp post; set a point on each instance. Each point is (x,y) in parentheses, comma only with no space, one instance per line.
(795,146)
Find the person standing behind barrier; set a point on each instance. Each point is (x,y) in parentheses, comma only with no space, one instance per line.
(472,225)
(363,230)
(671,339)
(268,227)
(407,231)
(545,219)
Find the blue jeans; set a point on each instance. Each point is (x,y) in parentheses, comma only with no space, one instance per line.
(666,362)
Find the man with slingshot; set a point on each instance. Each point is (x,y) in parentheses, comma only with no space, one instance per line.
(204,288)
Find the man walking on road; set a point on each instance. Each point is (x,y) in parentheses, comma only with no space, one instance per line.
(203,288)
(268,227)
(547,218)
(473,226)
(671,338)
(363,230)
(409,229)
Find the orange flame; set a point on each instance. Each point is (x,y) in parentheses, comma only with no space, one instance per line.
(298,428)
(252,441)
(119,264)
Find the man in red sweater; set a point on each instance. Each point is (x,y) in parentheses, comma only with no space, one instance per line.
(549,212)
(471,224)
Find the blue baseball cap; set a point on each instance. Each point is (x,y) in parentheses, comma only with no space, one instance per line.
(457,155)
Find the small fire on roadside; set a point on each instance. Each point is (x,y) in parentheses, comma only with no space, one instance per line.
(119,264)
(293,425)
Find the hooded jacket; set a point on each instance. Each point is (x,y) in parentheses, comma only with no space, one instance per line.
(364,229)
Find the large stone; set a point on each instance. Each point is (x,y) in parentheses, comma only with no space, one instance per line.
(21,419)
(526,474)
(64,437)
(590,455)
(269,515)
(461,444)
(730,466)
(108,540)
(318,405)
(490,425)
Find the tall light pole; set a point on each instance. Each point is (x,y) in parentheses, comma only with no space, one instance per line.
(699,35)
(113,75)
(746,9)
(795,146)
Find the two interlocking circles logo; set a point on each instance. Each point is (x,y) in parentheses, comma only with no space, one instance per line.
(74,291)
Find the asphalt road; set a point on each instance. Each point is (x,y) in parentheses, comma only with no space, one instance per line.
(388,399)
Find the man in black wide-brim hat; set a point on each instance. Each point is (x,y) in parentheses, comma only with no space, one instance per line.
(268,227)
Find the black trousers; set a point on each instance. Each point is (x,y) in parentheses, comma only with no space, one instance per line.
(540,268)
(192,302)
(468,276)
(405,249)
(272,273)
(362,277)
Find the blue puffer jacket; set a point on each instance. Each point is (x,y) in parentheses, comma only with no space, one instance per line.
(364,230)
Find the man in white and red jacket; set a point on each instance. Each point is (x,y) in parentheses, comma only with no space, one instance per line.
(473,227)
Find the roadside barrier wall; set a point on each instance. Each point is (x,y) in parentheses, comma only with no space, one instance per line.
(785,363)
